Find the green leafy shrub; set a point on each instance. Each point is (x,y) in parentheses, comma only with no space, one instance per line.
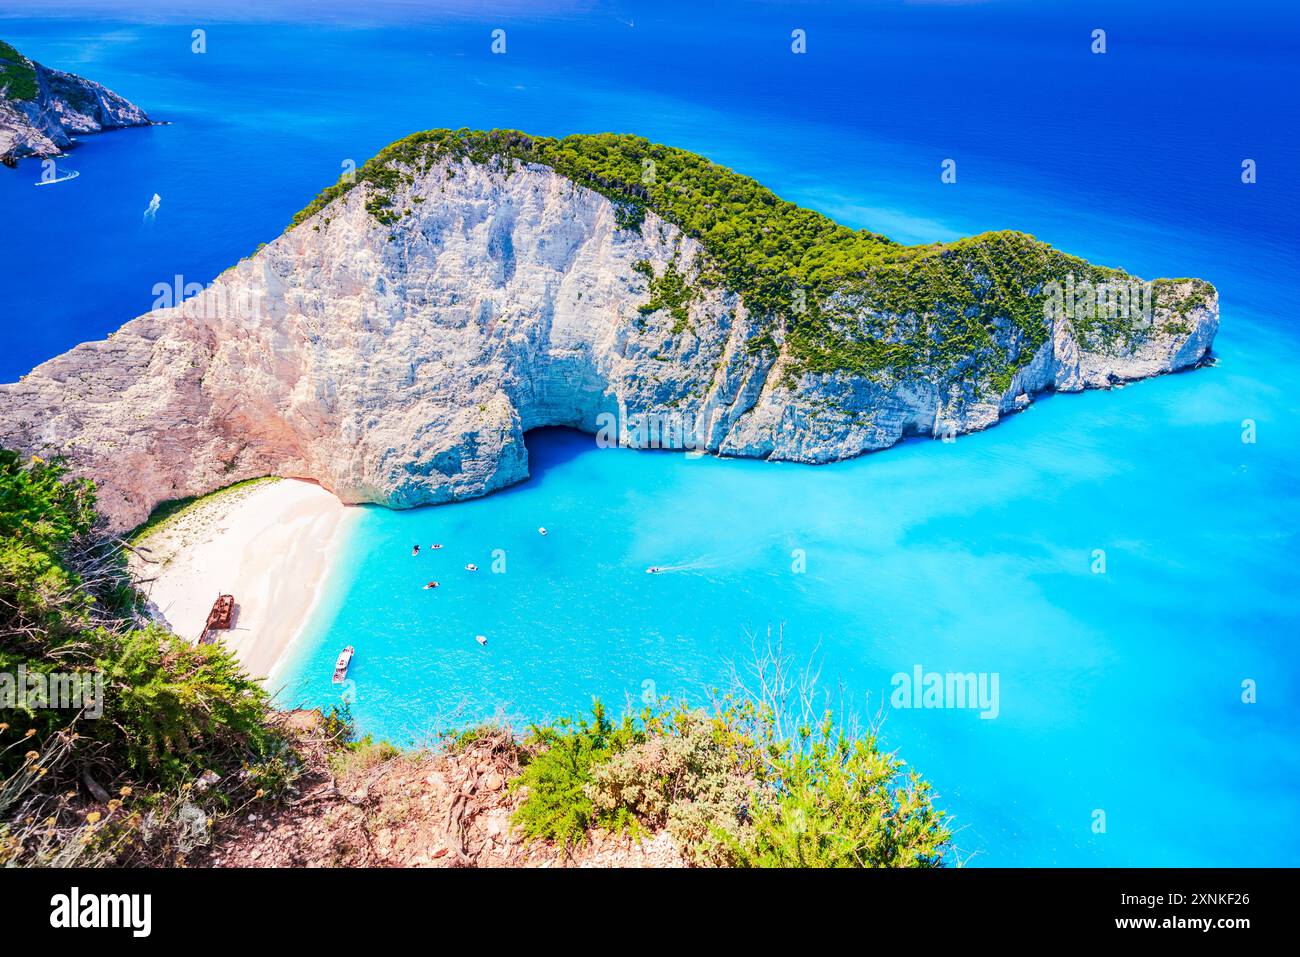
(732,789)
(556,806)
(338,724)
(686,775)
(832,801)
(176,709)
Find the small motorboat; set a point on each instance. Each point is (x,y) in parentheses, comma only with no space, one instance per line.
(341,666)
(653,570)
(435,546)
(471,567)
(541,531)
(481,639)
(430,585)
(415,551)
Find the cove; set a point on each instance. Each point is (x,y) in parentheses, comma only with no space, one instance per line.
(1118,692)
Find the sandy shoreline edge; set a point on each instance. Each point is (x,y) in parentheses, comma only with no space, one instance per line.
(271,544)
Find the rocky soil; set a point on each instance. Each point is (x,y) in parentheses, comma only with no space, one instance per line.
(411,809)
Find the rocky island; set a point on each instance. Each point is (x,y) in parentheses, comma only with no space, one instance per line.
(461,288)
(42,109)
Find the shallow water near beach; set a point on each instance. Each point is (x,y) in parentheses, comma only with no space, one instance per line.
(1118,692)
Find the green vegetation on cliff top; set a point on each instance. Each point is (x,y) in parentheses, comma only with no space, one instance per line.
(17,75)
(845,299)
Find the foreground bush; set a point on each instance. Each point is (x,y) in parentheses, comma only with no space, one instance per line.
(835,801)
(558,806)
(689,774)
(731,790)
(184,732)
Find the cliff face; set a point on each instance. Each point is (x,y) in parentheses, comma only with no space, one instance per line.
(42,109)
(400,358)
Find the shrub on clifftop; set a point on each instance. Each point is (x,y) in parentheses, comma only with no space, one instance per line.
(733,789)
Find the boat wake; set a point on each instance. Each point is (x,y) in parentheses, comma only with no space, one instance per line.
(701,564)
(61,177)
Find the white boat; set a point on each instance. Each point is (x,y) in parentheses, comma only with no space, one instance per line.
(471,568)
(341,666)
(63,178)
(481,639)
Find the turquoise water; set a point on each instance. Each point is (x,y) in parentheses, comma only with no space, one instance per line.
(1118,691)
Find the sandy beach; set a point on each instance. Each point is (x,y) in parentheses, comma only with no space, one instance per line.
(270,544)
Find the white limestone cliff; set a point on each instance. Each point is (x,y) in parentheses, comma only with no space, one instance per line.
(403,363)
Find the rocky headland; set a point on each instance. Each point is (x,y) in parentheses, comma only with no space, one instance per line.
(42,109)
(461,288)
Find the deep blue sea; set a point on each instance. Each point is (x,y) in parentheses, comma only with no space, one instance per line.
(1119,692)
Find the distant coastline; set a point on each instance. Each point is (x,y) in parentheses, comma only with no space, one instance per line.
(43,110)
